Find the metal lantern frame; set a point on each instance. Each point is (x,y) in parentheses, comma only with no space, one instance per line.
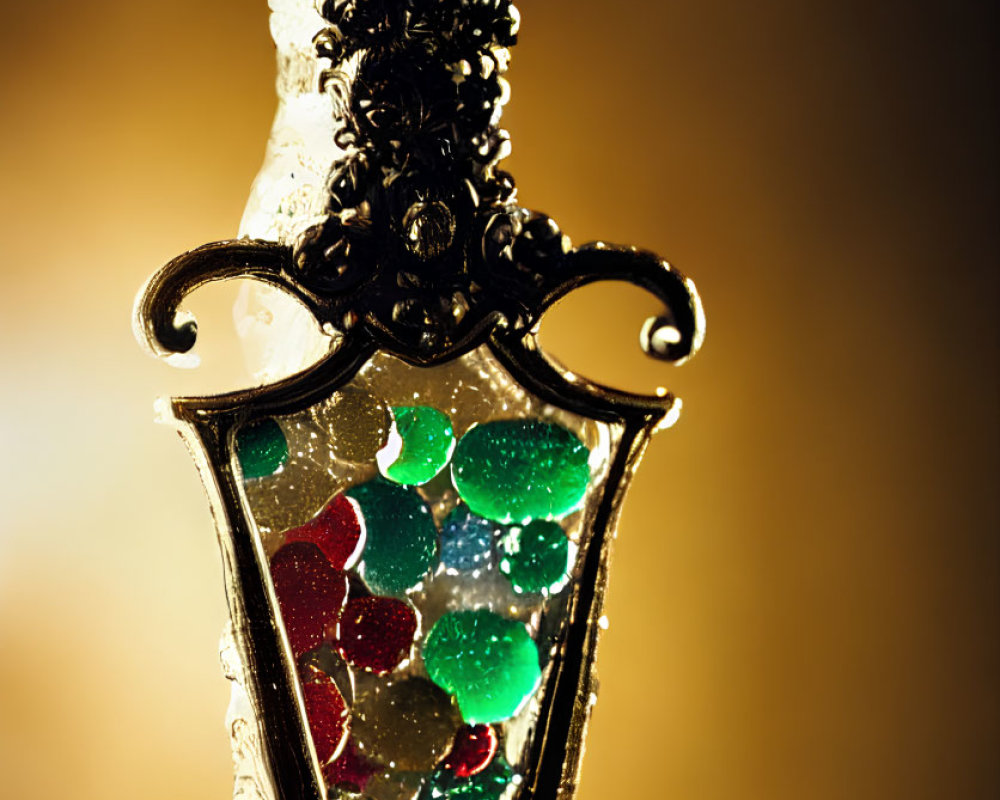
(208,425)
(421,252)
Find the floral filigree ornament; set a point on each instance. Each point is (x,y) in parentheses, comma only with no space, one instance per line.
(416,529)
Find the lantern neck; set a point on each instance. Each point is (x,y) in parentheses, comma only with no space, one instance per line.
(383,105)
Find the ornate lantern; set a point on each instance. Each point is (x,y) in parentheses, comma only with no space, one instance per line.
(416,528)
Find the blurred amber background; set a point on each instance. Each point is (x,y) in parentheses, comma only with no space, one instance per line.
(807,584)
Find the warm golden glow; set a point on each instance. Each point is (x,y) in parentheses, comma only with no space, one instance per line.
(804,601)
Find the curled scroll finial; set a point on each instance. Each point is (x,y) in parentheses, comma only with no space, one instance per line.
(157,320)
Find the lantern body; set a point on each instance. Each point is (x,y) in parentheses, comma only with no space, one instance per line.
(416,525)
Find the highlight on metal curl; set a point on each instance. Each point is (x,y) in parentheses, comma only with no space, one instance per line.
(157,320)
(678,331)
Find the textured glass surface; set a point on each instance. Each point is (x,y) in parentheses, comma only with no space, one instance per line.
(450,618)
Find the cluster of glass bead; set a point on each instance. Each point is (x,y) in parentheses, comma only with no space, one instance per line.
(397,689)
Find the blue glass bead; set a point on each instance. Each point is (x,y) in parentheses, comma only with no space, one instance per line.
(467,540)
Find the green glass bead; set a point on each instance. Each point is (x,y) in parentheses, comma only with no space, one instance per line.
(490,784)
(516,470)
(428,442)
(261,448)
(401,543)
(488,662)
(535,557)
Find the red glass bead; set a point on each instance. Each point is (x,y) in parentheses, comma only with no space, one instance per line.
(328,716)
(376,633)
(338,530)
(472,750)
(311,594)
(350,771)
